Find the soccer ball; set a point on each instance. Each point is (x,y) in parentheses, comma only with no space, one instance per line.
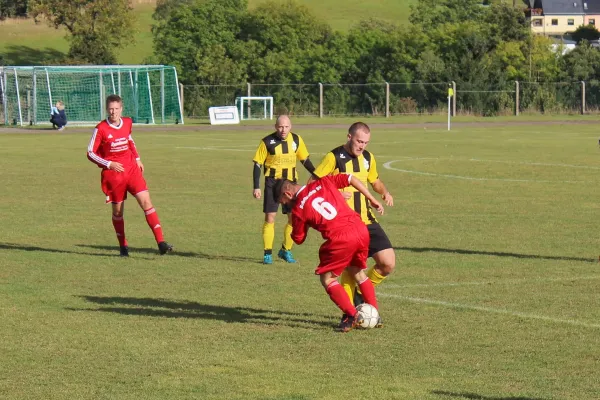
(369,315)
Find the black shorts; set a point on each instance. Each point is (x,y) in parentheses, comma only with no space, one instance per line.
(269,203)
(379,240)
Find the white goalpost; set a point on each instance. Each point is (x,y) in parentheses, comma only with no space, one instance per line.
(255,107)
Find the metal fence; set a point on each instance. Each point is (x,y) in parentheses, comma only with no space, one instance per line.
(388,99)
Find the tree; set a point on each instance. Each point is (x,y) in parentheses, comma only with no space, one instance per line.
(95,28)
(586,32)
(12,8)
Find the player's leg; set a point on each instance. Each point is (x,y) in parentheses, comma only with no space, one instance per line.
(340,298)
(268,235)
(118,209)
(143,199)
(285,253)
(115,189)
(358,264)
(382,252)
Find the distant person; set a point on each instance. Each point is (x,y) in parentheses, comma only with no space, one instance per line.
(112,148)
(58,117)
(277,156)
(321,206)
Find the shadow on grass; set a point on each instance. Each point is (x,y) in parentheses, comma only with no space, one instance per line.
(25,55)
(475,396)
(494,253)
(24,247)
(176,252)
(165,308)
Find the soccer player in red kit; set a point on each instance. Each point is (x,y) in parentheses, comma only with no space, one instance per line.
(112,148)
(320,205)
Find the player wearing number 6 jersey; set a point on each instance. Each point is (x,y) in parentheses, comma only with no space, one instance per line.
(320,205)
(112,149)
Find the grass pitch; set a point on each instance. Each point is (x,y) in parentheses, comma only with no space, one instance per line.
(495,294)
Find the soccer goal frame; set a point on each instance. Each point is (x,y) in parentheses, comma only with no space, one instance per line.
(245,101)
(150,93)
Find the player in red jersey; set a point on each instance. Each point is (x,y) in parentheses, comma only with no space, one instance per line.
(320,205)
(112,148)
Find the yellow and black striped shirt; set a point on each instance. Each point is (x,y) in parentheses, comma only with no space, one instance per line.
(279,157)
(363,167)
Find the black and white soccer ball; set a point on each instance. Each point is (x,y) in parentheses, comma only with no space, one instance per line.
(369,316)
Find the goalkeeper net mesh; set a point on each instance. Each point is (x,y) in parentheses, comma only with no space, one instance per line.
(150,93)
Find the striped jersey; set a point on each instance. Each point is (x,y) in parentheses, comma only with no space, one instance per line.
(279,157)
(363,167)
(112,143)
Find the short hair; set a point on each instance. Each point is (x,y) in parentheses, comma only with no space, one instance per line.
(281,185)
(113,98)
(358,127)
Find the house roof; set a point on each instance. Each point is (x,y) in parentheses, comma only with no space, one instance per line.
(591,6)
(564,7)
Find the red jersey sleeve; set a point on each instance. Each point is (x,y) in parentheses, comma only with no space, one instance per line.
(93,146)
(299,229)
(340,180)
(133,149)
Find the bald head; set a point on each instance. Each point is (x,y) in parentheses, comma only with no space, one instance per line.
(359,136)
(283,126)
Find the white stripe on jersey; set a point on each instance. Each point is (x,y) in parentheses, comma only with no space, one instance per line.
(93,155)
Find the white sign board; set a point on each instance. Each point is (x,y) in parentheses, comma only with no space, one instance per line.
(224,115)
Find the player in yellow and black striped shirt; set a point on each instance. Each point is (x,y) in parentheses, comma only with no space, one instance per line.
(353,158)
(277,155)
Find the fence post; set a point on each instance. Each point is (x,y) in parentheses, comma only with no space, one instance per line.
(517,105)
(387,100)
(29,107)
(320,100)
(181,97)
(582,97)
(454,99)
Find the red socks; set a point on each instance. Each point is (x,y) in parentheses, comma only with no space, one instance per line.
(154,224)
(119,225)
(338,295)
(368,292)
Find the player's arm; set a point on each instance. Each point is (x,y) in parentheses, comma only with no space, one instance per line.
(135,153)
(92,153)
(377,184)
(303,156)
(299,230)
(326,167)
(259,159)
(345,180)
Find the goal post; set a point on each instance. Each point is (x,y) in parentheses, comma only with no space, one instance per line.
(150,93)
(255,107)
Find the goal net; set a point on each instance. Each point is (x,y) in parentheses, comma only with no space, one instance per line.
(255,107)
(150,93)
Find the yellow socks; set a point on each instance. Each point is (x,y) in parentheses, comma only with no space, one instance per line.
(348,283)
(375,276)
(287,237)
(268,235)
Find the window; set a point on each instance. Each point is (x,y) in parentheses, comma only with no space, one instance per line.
(571,21)
(554,22)
(536,22)
(592,21)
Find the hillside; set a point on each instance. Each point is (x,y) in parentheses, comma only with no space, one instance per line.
(25,43)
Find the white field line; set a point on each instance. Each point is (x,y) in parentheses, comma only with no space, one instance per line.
(499,162)
(490,283)
(388,164)
(489,310)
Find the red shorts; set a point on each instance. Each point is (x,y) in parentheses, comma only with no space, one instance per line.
(348,248)
(115,185)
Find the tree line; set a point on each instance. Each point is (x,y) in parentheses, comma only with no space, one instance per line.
(216,42)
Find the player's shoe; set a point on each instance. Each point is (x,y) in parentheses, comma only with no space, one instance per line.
(379,322)
(164,248)
(286,255)
(348,323)
(124,251)
(268,259)
(358,299)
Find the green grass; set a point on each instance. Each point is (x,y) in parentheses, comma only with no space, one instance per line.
(495,294)
(25,43)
